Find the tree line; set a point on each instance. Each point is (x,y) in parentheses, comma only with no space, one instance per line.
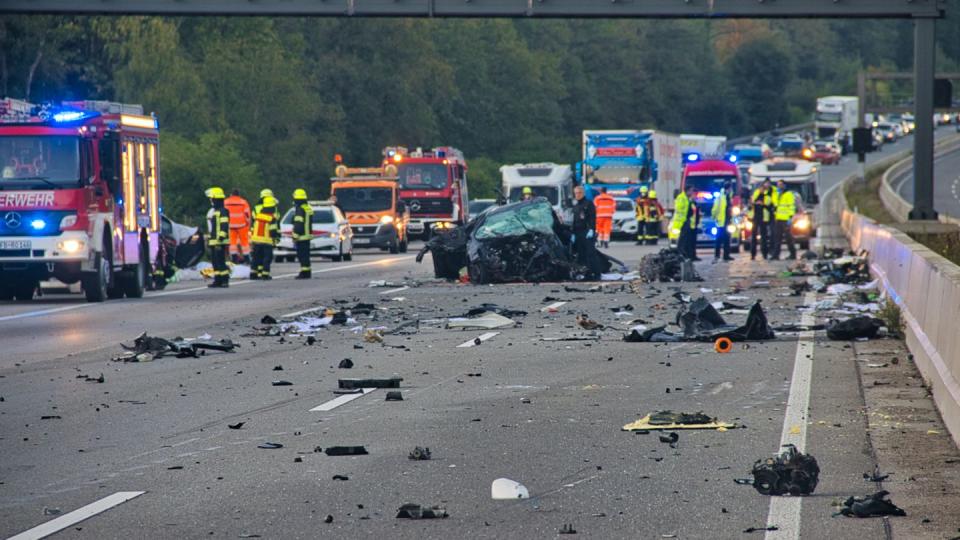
(267,102)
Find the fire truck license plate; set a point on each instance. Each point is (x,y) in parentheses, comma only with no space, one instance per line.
(15,244)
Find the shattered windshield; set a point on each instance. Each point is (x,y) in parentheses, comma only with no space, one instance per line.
(39,160)
(524,219)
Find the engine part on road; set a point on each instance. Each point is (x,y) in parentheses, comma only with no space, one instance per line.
(789,473)
(864,327)
(419,453)
(667,265)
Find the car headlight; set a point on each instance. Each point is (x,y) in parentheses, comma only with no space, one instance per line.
(70,246)
(748,225)
(802,223)
(386,219)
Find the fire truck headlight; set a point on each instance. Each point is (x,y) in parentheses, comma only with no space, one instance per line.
(38,224)
(70,246)
(68,221)
(386,219)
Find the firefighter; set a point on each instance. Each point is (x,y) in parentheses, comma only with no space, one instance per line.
(605,206)
(264,193)
(685,221)
(721,211)
(264,235)
(584,232)
(240,222)
(527,193)
(302,231)
(642,203)
(764,200)
(219,226)
(783,220)
(653,217)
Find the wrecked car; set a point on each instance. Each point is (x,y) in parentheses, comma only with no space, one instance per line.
(519,242)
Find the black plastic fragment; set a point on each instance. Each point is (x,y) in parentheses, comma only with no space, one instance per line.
(346,451)
(393,382)
(346,363)
(238,425)
(281,383)
(857,327)
(871,506)
(269,445)
(394,395)
(419,454)
(267,319)
(416,511)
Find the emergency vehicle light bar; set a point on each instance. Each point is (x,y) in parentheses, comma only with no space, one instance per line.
(146,122)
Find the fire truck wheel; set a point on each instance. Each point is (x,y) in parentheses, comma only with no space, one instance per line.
(395,244)
(95,284)
(6,291)
(135,280)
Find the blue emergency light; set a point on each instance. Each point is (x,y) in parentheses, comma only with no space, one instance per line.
(38,224)
(732,158)
(713,231)
(691,158)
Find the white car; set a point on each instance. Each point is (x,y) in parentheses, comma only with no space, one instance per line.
(625,218)
(332,236)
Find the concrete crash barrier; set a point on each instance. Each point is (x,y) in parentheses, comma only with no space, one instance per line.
(899,207)
(926,286)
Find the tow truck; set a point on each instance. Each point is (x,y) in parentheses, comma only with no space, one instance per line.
(370,198)
(79,197)
(800,176)
(433,184)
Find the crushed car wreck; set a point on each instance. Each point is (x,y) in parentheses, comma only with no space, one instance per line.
(520,242)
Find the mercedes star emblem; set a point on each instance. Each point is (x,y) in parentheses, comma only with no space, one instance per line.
(12,219)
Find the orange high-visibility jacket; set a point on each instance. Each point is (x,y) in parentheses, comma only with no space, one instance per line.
(239,210)
(605,204)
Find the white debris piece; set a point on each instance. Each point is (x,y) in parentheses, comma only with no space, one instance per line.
(504,489)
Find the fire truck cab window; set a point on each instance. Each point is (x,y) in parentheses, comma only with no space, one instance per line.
(39,160)
(423,176)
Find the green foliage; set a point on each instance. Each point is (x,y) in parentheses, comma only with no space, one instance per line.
(267,102)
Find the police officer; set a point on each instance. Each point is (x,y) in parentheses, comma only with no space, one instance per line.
(264,235)
(763,199)
(641,210)
(219,227)
(783,219)
(654,215)
(685,220)
(584,231)
(302,231)
(721,211)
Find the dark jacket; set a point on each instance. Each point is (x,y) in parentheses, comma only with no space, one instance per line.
(584,216)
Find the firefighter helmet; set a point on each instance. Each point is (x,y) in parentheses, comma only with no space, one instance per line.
(266,192)
(643,189)
(215,193)
(299,194)
(527,190)
(269,202)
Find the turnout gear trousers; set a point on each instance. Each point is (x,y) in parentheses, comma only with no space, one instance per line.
(219,226)
(302,233)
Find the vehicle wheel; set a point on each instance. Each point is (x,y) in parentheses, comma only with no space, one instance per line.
(403,245)
(135,280)
(96,284)
(395,245)
(339,257)
(24,288)
(477,274)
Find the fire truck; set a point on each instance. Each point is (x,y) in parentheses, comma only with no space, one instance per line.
(433,184)
(79,197)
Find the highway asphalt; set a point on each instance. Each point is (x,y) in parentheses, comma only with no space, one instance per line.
(946,179)
(524,404)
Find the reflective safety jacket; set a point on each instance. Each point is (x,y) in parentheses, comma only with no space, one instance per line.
(265,229)
(239,210)
(218,223)
(683,212)
(786,206)
(649,210)
(605,204)
(720,211)
(302,222)
(764,200)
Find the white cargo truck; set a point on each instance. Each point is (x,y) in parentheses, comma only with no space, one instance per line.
(836,118)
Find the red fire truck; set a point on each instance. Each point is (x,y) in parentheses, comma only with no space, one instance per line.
(79,197)
(433,184)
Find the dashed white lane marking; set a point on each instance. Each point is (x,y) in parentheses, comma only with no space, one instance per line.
(78,515)
(473,342)
(552,307)
(301,312)
(340,400)
(398,289)
(380,262)
(785,511)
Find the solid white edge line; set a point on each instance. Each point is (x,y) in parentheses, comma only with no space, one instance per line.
(398,289)
(340,400)
(554,305)
(195,289)
(46,529)
(481,337)
(785,511)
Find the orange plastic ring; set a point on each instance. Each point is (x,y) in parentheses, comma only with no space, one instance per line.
(723,345)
